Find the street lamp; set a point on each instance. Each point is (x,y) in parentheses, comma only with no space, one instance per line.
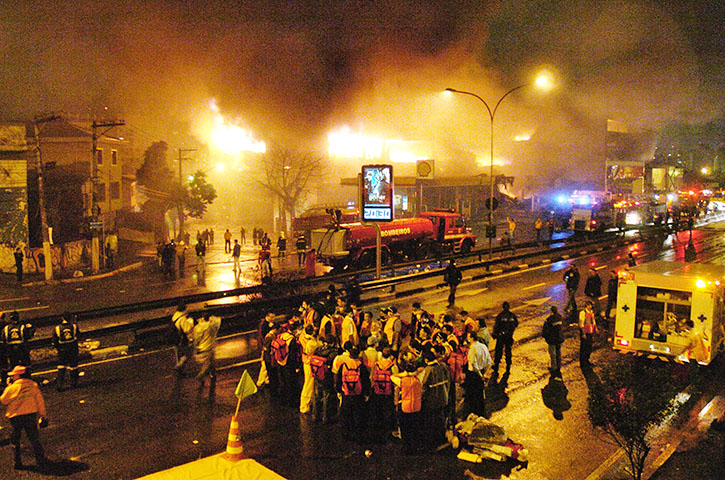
(542,82)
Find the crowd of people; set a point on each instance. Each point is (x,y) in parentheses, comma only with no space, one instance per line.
(381,373)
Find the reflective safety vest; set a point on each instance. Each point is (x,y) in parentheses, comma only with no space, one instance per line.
(66,333)
(411,394)
(14,334)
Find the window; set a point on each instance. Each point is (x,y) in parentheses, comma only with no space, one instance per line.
(114,157)
(99,156)
(100,192)
(661,312)
(115,190)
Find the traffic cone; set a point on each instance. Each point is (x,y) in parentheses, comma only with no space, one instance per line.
(235,451)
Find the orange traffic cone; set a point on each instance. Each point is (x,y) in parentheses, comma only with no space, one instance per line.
(235,451)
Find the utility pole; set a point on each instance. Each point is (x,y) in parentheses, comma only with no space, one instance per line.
(180,205)
(97,225)
(41,197)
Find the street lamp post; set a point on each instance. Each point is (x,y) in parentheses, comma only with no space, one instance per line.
(541,82)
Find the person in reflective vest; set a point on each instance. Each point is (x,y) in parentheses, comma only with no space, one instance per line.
(587,328)
(410,394)
(382,400)
(353,384)
(309,344)
(15,337)
(65,341)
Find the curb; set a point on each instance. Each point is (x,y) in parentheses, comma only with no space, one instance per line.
(84,278)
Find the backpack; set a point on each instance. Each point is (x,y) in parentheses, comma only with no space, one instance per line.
(280,350)
(410,394)
(351,381)
(382,384)
(318,365)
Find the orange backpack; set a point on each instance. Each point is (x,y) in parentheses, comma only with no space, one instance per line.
(351,381)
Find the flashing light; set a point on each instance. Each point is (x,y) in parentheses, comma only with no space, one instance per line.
(671,197)
(190,178)
(691,192)
(633,218)
(717,283)
(584,201)
(657,196)
(707,192)
(561,199)
(700,283)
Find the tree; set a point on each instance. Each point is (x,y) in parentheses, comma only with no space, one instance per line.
(287,174)
(165,192)
(154,172)
(629,400)
(194,197)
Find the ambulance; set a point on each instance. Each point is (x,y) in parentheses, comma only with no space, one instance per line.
(654,302)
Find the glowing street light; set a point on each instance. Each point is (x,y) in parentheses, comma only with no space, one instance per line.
(542,82)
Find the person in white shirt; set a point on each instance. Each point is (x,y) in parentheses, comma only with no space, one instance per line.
(204,335)
(479,360)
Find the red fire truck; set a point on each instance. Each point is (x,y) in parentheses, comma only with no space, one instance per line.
(352,245)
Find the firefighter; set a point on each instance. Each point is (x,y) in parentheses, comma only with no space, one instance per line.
(452,277)
(65,341)
(15,337)
(503,332)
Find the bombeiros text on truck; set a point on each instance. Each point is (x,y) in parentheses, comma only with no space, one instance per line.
(352,245)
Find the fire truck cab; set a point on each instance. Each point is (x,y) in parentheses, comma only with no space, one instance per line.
(451,230)
(654,301)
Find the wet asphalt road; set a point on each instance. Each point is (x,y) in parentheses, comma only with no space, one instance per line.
(131,417)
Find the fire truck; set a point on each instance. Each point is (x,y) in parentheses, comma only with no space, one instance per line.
(654,302)
(352,245)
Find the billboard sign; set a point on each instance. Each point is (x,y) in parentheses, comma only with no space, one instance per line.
(377,193)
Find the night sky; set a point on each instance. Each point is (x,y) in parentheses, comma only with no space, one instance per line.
(292,70)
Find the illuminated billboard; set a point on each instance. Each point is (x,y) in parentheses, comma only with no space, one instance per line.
(377,193)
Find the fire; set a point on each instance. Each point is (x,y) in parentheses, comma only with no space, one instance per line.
(344,143)
(229,137)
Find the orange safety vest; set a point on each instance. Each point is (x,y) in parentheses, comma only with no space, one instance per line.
(411,394)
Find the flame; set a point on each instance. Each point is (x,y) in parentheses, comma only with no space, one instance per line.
(228,137)
(344,143)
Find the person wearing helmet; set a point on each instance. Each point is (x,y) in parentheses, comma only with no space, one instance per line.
(15,337)
(65,340)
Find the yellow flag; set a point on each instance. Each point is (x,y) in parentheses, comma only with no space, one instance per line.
(246,386)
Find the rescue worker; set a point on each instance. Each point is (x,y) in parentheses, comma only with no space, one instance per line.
(593,290)
(25,408)
(15,336)
(479,360)
(392,328)
(553,334)
(321,366)
(452,277)
(353,383)
(348,330)
(503,332)
(65,341)
(571,278)
(538,225)
(281,246)
(184,327)
(285,354)
(550,225)
(587,328)
(436,384)
(612,286)
(309,344)
(301,246)
(204,335)
(382,400)
(410,397)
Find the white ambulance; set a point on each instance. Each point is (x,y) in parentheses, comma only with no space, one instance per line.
(654,302)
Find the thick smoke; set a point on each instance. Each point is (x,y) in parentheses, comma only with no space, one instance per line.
(294,70)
